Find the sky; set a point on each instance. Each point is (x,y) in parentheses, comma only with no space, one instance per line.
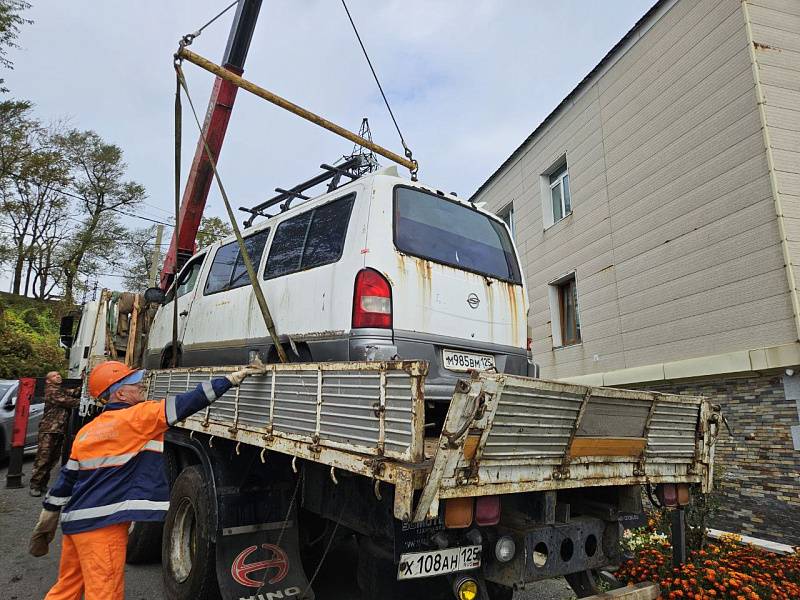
(467,81)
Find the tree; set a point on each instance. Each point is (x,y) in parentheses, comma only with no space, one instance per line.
(98,172)
(34,209)
(212,229)
(16,127)
(139,248)
(10,23)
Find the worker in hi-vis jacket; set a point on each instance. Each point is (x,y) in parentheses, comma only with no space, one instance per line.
(114,475)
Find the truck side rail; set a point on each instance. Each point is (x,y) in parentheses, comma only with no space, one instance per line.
(373,408)
(502,433)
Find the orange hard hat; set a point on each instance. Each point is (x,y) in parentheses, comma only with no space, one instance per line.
(106,374)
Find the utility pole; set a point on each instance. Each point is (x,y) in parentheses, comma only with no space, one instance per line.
(156,257)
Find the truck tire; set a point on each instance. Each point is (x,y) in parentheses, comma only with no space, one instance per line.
(187,550)
(144,542)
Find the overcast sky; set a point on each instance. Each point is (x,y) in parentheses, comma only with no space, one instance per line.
(468,81)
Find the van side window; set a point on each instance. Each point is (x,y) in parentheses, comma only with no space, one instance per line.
(189,277)
(311,239)
(227,271)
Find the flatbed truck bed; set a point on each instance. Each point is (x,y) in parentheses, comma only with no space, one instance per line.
(562,464)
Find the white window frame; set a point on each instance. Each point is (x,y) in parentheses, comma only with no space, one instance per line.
(554,298)
(506,214)
(546,190)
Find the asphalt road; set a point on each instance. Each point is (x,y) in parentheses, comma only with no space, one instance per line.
(23,577)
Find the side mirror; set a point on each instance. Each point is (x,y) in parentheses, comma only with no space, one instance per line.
(65,327)
(65,337)
(154,294)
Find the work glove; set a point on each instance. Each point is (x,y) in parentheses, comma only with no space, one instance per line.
(44,532)
(254,368)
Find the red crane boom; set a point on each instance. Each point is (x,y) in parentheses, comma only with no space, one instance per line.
(220,105)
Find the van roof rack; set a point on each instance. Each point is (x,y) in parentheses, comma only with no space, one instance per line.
(354,167)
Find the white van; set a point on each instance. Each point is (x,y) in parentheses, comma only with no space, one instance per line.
(380,268)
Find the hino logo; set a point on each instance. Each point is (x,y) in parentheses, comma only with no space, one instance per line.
(473,300)
(279,561)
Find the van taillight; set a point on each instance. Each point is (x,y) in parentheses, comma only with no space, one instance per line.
(372,301)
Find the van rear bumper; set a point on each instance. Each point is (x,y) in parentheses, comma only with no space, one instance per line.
(379,344)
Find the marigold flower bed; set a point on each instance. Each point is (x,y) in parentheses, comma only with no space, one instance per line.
(726,569)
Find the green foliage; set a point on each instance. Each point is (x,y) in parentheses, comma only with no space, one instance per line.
(29,338)
(212,229)
(11,21)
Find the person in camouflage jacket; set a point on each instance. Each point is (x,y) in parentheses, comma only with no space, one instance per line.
(57,404)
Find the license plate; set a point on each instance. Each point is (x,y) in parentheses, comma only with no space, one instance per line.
(464,361)
(438,562)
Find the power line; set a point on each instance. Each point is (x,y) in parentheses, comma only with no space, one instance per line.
(375,75)
(85,199)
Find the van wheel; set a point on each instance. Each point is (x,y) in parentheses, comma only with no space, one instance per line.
(303,354)
(166,358)
(144,542)
(187,550)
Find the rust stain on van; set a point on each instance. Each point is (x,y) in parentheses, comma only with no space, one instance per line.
(511,291)
(488,286)
(401,265)
(425,274)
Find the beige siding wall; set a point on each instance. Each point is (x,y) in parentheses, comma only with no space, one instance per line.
(673,235)
(775,26)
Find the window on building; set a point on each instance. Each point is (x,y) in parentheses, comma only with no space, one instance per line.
(311,239)
(564,314)
(507,215)
(228,270)
(556,194)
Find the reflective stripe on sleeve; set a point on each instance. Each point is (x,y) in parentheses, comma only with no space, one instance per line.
(208,389)
(56,500)
(72,465)
(156,445)
(110,509)
(171,410)
(118,460)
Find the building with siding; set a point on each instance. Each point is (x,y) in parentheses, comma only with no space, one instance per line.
(656,211)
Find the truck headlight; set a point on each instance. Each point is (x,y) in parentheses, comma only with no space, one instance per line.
(504,549)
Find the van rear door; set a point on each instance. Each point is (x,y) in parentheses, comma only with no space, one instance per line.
(457,274)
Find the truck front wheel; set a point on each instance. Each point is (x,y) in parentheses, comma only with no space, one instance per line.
(187,551)
(144,542)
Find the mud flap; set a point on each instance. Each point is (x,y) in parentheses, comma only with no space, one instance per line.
(258,562)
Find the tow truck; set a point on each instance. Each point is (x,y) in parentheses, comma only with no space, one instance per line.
(523,479)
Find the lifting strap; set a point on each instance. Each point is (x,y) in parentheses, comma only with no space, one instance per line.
(251,272)
(178,134)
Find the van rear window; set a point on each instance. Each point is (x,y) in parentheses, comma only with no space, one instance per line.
(450,233)
(311,239)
